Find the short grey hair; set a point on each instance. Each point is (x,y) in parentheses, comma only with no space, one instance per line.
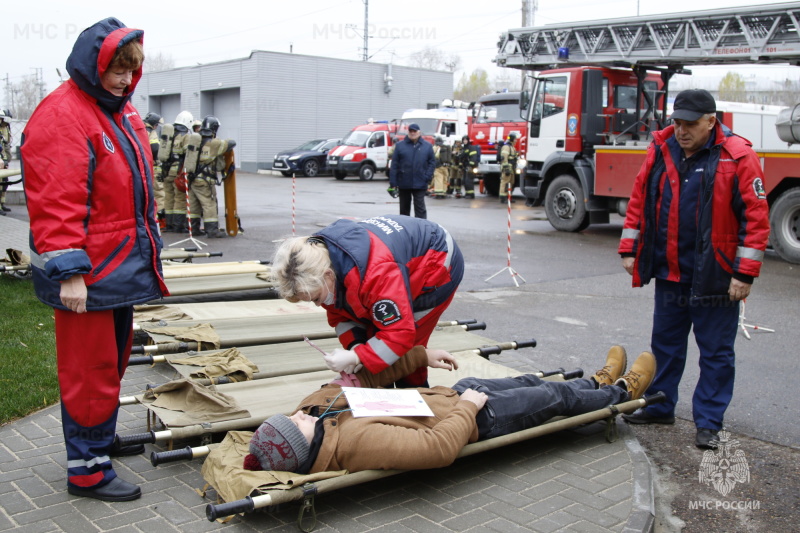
(299,267)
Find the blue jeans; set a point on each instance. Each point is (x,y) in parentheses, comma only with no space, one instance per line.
(715,325)
(526,401)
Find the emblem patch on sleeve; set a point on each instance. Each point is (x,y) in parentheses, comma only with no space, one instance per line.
(385,312)
(758,188)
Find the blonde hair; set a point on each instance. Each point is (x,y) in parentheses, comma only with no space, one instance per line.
(299,267)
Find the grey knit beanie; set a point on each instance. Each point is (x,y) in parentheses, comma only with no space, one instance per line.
(277,444)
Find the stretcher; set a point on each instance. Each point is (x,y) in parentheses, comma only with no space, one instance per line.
(306,489)
(294,357)
(240,331)
(245,491)
(254,401)
(194,270)
(217,284)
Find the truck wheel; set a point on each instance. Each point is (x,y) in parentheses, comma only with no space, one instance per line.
(565,206)
(366,172)
(310,168)
(785,224)
(339,174)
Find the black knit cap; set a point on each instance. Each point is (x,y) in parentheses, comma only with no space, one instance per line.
(692,104)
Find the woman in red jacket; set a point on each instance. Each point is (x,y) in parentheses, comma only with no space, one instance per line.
(95,243)
(384,282)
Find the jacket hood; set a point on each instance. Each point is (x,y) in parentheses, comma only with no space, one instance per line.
(91,55)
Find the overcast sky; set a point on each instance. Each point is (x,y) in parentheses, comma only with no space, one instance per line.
(38,34)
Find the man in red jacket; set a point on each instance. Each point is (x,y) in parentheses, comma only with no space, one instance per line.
(95,244)
(697,222)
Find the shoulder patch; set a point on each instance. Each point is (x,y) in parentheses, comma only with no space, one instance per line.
(385,312)
(107,143)
(758,188)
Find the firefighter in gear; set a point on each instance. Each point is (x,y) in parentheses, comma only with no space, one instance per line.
(203,180)
(454,181)
(470,158)
(171,152)
(151,122)
(5,155)
(443,155)
(95,243)
(507,155)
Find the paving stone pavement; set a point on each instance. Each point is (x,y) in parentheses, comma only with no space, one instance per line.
(572,481)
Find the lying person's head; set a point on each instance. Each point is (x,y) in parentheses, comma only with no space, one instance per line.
(281,443)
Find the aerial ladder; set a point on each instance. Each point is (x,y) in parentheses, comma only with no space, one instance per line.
(584,152)
(666,43)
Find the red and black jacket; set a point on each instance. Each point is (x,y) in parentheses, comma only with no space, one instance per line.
(732,215)
(87,170)
(390,270)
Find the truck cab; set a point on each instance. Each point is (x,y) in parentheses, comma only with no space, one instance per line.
(573,111)
(363,151)
(449,123)
(494,117)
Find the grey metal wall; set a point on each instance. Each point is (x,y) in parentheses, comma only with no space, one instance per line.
(286,99)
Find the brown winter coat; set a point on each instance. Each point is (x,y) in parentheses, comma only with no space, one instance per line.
(393,442)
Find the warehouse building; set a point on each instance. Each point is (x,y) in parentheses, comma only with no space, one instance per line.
(273,101)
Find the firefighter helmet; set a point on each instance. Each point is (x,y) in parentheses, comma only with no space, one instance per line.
(209,126)
(185,119)
(513,136)
(7,113)
(153,119)
(439,140)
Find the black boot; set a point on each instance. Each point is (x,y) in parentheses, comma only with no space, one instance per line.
(180,223)
(4,208)
(196,231)
(213,231)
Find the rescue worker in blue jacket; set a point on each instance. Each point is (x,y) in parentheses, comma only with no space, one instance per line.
(413,164)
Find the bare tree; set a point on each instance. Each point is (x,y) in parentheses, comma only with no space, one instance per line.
(471,87)
(432,58)
(25,96)
(158,62)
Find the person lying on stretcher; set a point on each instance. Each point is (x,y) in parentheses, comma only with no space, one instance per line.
(324,435)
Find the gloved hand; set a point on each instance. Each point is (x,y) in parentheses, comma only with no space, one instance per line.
(392,192)
(340,360)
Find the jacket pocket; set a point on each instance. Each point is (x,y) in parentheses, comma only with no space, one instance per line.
(110,257)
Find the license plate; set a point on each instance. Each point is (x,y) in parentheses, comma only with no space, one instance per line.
(333,163)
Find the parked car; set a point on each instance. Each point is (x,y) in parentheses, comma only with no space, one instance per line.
(307,159)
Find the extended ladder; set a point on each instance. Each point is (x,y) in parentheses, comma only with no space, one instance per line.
(757,34)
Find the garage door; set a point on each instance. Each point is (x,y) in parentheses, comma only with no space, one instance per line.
(168,106)
(224,104)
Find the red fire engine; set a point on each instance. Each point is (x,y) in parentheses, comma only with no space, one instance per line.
(494,117)
(602,86)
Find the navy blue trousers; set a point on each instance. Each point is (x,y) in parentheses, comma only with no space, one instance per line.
(715,325)
(526,401)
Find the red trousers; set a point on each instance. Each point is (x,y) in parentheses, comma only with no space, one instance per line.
(92,350)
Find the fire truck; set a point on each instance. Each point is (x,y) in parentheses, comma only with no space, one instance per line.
(494,117)
(448,122)
(363,151)
(600,88)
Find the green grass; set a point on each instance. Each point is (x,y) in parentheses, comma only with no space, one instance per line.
(28,379)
